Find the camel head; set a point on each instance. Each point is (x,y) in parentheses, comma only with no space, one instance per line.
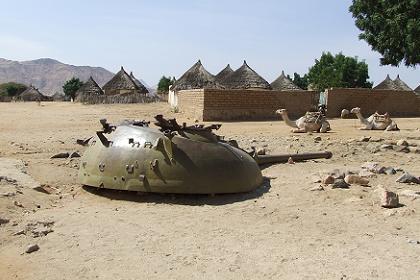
(355,110)
(281,111)
(344,113)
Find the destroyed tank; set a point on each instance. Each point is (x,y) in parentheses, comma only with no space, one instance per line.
(172,159)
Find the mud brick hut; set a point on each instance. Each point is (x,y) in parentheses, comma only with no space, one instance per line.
(123,84)
(417,90)
(90,89)
(58,96)
(222,75)
(32,94)
(387,84)
(401,85)
(246,78)
(284,83)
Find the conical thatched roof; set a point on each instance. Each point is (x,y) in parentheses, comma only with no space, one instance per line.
(246,78)
(32,94)
(196,77)
(89,88)
(417,90)
(121,80)
(142,88)
(386,84)
(401,85)
(224,74)
(284,83)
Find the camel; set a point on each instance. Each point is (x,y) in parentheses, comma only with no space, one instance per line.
(376,121)
(310,122)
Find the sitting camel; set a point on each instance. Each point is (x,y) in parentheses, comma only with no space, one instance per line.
(376,121)
(310,122)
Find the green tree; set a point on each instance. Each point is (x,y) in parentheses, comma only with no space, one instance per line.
(12,89)
(301,82)
(72,86)
(164,83)
(338,71)
(391,28)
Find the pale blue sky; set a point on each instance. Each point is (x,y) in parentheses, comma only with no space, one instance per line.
(155,38)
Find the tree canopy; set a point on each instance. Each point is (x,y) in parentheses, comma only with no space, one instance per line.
(391,28)
(72,86)
(12,89)
(300,81)
(164,83)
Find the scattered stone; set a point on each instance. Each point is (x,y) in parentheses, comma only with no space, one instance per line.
(376,139)
(402,142)
(337,174)
(328,180)
(389,199)
(46,189)
(317,139)
(340,184)
(18,204)
(414,150)
(8,194)
(408,178)
(38,229)
(83,142)
(32,248)
(402,149)
(20,232)
(364,139)
(4,221)
(386,147)
(290,161)
(76,154)
(8,180)
(373,167)
(61,155)
(366,173)
(390,171)
(411,241)
(317,188)
(410,193)
(354,179)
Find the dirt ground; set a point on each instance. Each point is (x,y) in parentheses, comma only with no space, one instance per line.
(285,230)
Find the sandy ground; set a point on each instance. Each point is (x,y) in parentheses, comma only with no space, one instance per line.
(283,231)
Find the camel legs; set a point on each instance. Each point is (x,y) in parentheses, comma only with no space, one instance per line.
(392,126)
(325,126)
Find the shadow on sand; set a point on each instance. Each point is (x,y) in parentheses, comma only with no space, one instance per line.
(181,199)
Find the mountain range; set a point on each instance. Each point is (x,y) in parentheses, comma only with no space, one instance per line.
(49,75)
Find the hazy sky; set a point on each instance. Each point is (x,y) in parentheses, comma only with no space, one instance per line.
(155,38)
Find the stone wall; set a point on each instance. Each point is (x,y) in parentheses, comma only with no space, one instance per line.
(397,103)
(228,105)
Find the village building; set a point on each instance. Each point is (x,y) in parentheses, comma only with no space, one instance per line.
(222,75)
(197,77)
(58,96)
(387,84)
(89,89)
(284,83)
(401,85)
(123,84)
(246,78)
(32,94)
(417,90)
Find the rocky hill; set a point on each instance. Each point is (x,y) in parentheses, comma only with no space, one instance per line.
(48,75)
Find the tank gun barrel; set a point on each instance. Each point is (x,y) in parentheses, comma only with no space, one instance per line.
(283,158)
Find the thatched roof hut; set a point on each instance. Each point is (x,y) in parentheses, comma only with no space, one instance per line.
(89,88)
(142,88)
(222,75)
(32,94)
(196,77)
(387,84)
(401,85)
(122,83)
(417,90)
(246,78)
(284,83)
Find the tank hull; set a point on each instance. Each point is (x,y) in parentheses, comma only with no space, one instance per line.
(144,159)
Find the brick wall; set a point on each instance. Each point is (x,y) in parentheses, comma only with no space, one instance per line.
(227,105)
(397,103)
(191,103)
